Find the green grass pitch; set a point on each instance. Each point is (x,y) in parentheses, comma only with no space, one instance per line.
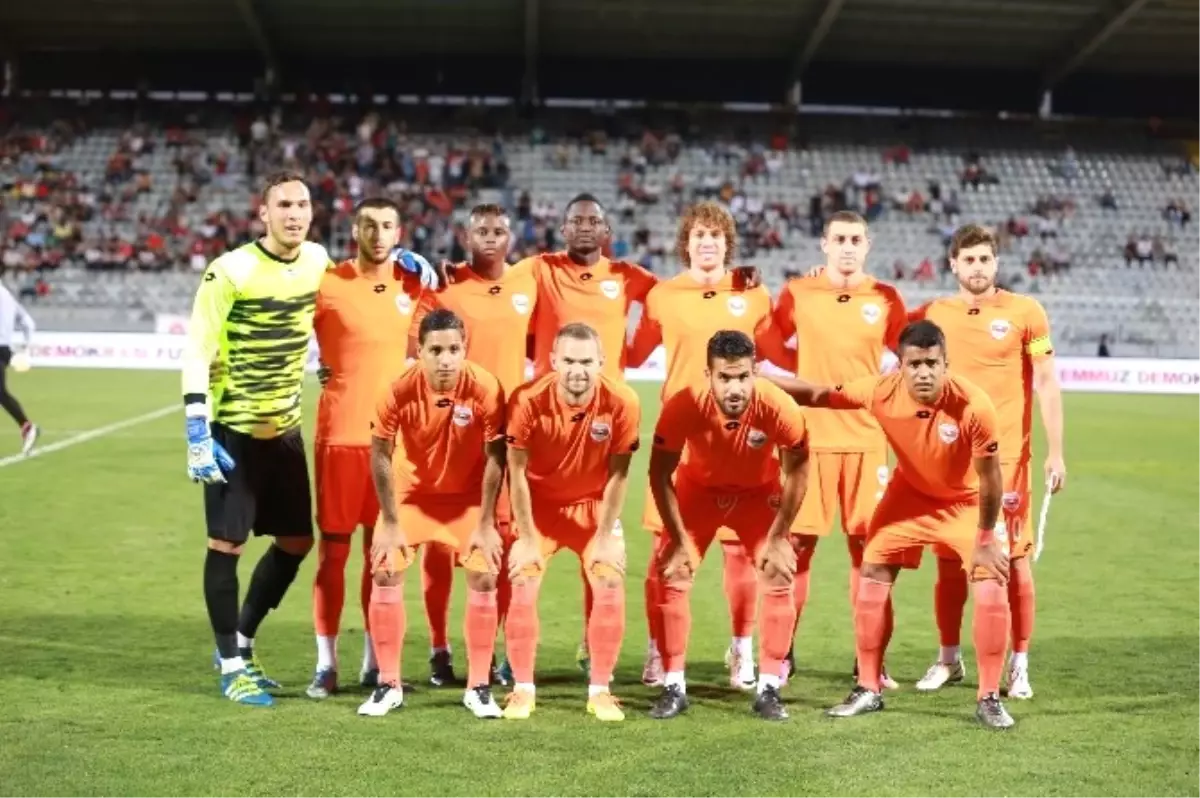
(107,685)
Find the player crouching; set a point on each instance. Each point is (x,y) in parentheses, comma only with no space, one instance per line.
(714,465)
(437,457)
(571,435)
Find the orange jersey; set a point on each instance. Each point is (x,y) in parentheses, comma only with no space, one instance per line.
(569,446)
(934,444)
(440,435)
(362,326)
(497,314)
(841,335)
(683,314)
(597,295)
(731,454)
(995,345)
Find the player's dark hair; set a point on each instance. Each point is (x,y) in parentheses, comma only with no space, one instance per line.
(488,209)
(848,217)
(377,204)
(578,331)
(730,345)
(438,320)
(922,334)
(278,179)
(971,235)
(584,197)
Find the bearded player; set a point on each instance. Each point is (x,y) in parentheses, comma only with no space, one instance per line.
(437,457)
(1001,342)
(365,307)
(571,435)
(721,452)
(945,494)
(683,313)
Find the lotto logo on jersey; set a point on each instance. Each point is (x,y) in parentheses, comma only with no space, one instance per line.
(948,433)
(404,304)
(871,313)
(999,328)
(600,431)
(520,303)
(610,288)
(736,305)
(462,415)
(756,438)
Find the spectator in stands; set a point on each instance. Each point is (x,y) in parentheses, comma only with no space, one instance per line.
(1170,252)
(899,270)
(1102,349)
(1177,212)
(1059,259)
(1139,248)
(1108,200)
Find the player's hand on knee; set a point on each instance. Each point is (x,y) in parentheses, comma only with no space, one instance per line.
(607,552)
(676,562)
(524,556)
(777,557)
(486,540)
(207,460)
(991,559)
(386,543)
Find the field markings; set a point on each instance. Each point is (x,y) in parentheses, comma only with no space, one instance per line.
(88,435)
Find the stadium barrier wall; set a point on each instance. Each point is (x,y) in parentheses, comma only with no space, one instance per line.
(157,351)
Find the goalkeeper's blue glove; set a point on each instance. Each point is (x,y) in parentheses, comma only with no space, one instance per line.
(415,264)
(207,460)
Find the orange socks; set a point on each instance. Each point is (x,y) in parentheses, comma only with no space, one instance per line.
(1021,603)
(388,624)
(653,601)
(606,630)
(871,629)
(329,588)
(437,581)
(800,583)
(677,626)
(741,587)
(775,628)
(589,601)
(479,631)
(855,544)
(991,633)
(949,601)
(521,630)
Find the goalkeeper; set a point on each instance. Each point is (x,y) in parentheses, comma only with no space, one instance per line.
(251,323)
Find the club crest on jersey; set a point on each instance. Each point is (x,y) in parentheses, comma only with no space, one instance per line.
(999,328)
(600,431)
(462,415)
(948,433)
(756,438)
(871,313)
(610,288)
(736,305)
(520,303)
(404,304)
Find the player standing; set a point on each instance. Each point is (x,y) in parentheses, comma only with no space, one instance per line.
(844,321)
(1001,342)
(12,315)
(496,303)
(715,464)
(684,313)
(364,311)
(571,435)
(945,494)
(437,455)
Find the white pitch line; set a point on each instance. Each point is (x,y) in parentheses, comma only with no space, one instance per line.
(91,434)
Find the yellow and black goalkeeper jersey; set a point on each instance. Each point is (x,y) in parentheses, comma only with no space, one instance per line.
(253,315)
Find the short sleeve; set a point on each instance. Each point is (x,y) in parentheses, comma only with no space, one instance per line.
(854,395)
(983,428)
(1037,331)
(427,303)
(674,421)
(783,316)
(387,412)
(897,319)
(791,430)
(491,403)
(626,422)
(520,420)
(638,282)
(918,313)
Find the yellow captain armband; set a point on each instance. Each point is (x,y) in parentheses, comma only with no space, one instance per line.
(1040,346)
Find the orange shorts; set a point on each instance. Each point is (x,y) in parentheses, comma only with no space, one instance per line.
(849,484)
(567,526)
(705,511)
(1018,495)
(652,521)
(346,496)
(447,524)
(905,522)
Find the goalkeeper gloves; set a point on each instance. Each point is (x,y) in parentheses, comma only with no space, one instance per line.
(415,264)
(207,460)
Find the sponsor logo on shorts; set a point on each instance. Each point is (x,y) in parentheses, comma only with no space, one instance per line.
(999,328)
(736,305)
(600,431)
(992,447)
(404,304)
(756,438)
(725,502)
(610,288)
(462,415)
(520,303)
(948,433)
(871,313)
